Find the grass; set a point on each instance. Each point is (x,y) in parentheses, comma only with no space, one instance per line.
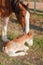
(37,11)
(1,63)
(38,43)
(35,53)
(36,49)
(13,35)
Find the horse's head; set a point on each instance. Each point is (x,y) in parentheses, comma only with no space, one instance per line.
(23,10)
(22,13)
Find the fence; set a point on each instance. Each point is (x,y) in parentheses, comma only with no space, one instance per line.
(36,5)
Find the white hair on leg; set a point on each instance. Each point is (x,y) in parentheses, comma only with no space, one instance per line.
(27,22)
(4,29)
(17,54)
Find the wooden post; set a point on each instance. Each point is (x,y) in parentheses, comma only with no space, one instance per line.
(34,6)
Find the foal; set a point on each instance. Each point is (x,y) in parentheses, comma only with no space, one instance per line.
(17,46)
(21,13)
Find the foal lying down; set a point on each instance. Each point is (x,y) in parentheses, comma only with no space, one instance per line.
(17,46)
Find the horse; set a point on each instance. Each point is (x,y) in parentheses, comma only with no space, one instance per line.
(7,7)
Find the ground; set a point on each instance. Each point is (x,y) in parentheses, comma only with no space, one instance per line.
(35,53)
(33,0)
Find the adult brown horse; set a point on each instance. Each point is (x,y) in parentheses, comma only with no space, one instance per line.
(7,7)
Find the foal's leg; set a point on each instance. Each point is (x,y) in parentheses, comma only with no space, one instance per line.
(16,53)
(4,29)
(27,29)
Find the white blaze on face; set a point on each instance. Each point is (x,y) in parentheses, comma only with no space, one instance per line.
(27,21)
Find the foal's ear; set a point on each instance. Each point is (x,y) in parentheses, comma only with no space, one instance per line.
(27,5)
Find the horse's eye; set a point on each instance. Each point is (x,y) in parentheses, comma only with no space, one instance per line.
(22,15)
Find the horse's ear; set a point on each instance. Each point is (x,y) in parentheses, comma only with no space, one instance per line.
(21,7)
(28,5)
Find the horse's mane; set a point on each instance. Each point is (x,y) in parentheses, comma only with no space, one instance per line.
(14,5)
(24,6)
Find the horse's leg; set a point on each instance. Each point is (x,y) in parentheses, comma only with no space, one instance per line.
(27,28)
(4,29)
